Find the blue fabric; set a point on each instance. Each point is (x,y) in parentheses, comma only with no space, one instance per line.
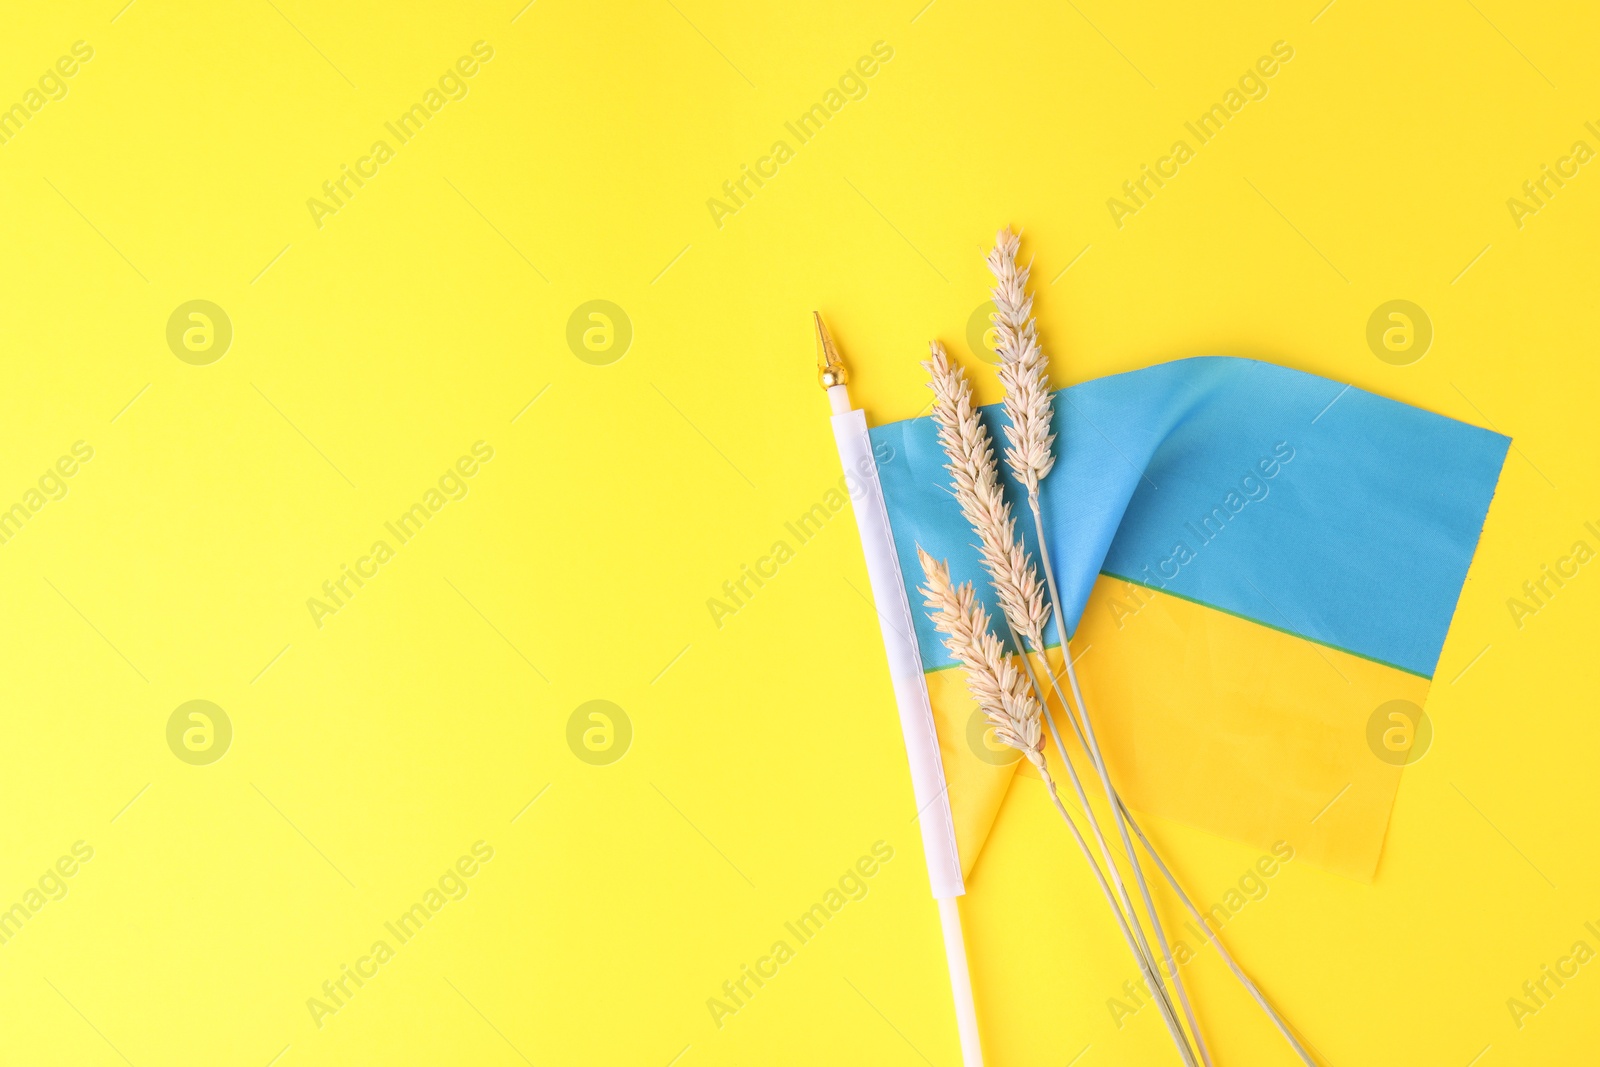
(1359,539)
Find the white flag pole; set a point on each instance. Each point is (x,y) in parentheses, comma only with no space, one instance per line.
(910,687)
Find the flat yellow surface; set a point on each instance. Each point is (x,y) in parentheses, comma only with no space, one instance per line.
(410,747)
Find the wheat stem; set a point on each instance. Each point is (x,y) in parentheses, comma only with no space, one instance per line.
(976,482)
(1194,911)
(1145,966)
(1072,772)
(1005,700)
(1097,760)
(1215,939)
(1141,947)
(1030,454)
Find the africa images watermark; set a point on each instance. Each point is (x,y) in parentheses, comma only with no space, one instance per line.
(599,732)
(738,591)
(852,85)
(1252,488)
(1252,85)
(51,86)
(1537,593)
(51,486)
(1537,992)
(51,885)
(337,992)
(738,992)
(1251,887)
(452,85)
(452,485)
(1539,191)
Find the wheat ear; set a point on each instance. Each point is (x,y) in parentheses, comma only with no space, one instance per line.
(995,683)
(1030,442)
(975,479)
(1007,702)
(1031,456)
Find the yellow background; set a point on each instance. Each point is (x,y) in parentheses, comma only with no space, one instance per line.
(370,353)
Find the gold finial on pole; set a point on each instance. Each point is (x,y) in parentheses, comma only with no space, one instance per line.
(830,368)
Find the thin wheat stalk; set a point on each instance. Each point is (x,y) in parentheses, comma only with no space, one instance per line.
(1091,745)
(976,481)
(1030,455)
(1148,962)
(1215,939)
(1007,703)
(1133,861)
(1211,936)
(975,478)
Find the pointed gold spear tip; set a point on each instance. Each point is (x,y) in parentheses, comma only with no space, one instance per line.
(830,368)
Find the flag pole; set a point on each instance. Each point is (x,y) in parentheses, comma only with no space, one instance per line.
(905,674)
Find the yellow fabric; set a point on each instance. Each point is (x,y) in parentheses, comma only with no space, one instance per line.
(976,785)
(1214,721)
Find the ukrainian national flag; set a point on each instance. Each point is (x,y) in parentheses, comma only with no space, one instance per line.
(1256,563)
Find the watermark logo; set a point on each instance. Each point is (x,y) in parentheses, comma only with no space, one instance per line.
(51,886)
(339,591)
(985,745)
(1399,733)
(983,337)
(1251,887)
(1252,488)
(1399,332)
(1540,990)
(1139,191)
(599,733)
(199,332)
(452,886)
(740,590)
(339,191)
(199,733)
(50,87)
(1537,593)
(852,886)
(1538,191)
(737,192)
(599,332)
(51,486)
